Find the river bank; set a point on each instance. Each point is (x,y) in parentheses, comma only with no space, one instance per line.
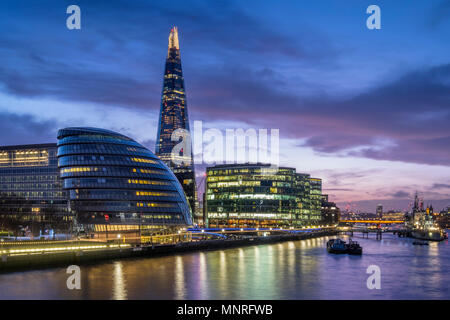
(81,253)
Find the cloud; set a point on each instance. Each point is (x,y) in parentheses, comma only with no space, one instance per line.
(237,67)
(403,120)
(406,120)
(26,130)
(401,194)
(346,177)
(440,186)
(81,86)
(337,189)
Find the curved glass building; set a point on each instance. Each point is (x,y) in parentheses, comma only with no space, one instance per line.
(114,184)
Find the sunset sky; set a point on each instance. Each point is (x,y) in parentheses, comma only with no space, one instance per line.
(366,110)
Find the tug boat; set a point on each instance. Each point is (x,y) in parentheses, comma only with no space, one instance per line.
(354,248)
(337,246)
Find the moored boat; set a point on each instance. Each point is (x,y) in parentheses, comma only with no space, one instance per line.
(337,246)
(353,247)
(421,223)
(430,233)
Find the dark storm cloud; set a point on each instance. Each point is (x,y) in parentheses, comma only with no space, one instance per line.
(401,194)
(404,120)
(82,86)
(16,129)
(95,64)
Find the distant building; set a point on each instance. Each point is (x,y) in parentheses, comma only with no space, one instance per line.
(394,215)
(174,116)
(330,212)
(118,187)
(379,211)
(254,195)
(31,195)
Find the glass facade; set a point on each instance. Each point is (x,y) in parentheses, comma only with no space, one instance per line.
(304,187)
(173,116)
(316,199)
(116,184)
(257,196)
(31,194)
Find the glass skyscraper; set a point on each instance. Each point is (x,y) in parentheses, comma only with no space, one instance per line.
(115,185)
(174,117)
(31,195)
(255,195)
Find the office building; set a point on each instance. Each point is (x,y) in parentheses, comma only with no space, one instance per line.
(379,211)
(256,195)
(32,201)
(330,212)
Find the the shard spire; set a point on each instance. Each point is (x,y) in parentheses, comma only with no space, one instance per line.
(173,40)
(174,115)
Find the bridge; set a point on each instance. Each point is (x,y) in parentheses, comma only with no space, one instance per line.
(374,221)
(377,226)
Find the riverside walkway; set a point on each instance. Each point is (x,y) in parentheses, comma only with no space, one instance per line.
(22,255)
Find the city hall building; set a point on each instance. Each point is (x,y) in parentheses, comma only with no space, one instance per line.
(31,196)
(116,187)
(256,195)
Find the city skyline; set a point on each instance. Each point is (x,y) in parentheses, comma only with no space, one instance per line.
(372,131)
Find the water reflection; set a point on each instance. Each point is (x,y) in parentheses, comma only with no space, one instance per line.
(119,287)
(289,270)
(203,276)
(180,292)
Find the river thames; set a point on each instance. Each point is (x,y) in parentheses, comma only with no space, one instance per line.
(288,270)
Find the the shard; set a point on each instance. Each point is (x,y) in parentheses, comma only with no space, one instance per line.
(174,123)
